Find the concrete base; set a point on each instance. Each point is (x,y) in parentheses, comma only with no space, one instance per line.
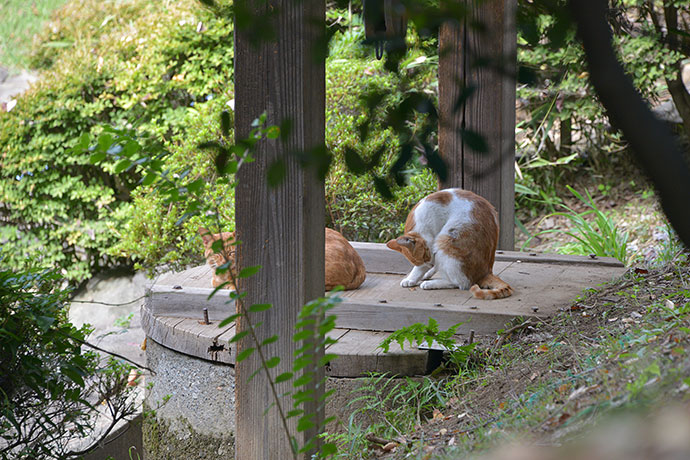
(124,443)
(189,409)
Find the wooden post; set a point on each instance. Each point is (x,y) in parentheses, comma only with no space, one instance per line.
(490,111)
(281,229)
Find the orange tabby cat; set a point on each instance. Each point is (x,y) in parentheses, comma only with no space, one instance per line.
(344,266)
(217,258)
(454,233)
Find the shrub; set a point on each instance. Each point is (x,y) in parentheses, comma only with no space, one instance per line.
(130,64)
(168,76)
(48,385)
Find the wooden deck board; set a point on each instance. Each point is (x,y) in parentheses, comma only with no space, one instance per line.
(542,284)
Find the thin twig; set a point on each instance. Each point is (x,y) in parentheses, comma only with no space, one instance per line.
(116,355)
(110,304)
(508,332)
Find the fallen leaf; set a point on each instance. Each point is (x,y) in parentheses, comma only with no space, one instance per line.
(437,415)
(442,431)
(390,446)
(541,349)
(563,388)
(577,393)
(641,271)
(669,304)
(451,441)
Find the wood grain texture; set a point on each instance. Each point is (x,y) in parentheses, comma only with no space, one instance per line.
(280,228)
(179,300)
(483,59)
(359,355)
(188,336)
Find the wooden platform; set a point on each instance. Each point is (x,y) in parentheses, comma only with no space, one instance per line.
(542,284)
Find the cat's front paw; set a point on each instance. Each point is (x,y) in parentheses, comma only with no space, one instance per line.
(437,284)
(408,282)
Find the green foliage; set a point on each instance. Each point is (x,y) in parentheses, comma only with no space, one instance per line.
(420,334)
(594,231)
(365,145)
(166,74)
(395,406)
(48,385)
(140,67)
(562,125)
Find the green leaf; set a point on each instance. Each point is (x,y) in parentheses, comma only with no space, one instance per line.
(238,336)
(122,165)
(305,423)
(244,354)
(83,143)
(97,157)
(149,179)
(328,448)
(325,359)
(273,132)
(284,377)
(105,141)
(73,375)
(196,185)
(304,380)
(229,319)
(294,413)
(257,307)
(269,340)
(272,362)
(302,335)
(249,271)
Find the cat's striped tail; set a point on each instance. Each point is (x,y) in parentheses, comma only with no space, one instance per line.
(491,287)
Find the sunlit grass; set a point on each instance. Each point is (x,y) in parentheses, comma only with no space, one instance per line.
(21,19)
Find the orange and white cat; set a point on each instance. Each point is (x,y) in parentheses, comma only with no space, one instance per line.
(452,233)
(344,266)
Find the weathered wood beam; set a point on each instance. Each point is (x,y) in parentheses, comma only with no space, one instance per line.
(280,228)
(483,59)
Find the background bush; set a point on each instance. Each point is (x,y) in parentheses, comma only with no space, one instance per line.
(49,387)
(165,71)
(130,64)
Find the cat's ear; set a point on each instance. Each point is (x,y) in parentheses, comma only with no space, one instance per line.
(206,236)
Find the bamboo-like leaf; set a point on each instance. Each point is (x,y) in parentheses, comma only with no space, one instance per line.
(239,336)
(229,319)
(249,271)
(244,354)
(258,307)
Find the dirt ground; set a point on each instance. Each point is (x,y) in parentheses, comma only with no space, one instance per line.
(618,348)
(574,358)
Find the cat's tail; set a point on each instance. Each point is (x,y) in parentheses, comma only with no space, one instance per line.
(491,287)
